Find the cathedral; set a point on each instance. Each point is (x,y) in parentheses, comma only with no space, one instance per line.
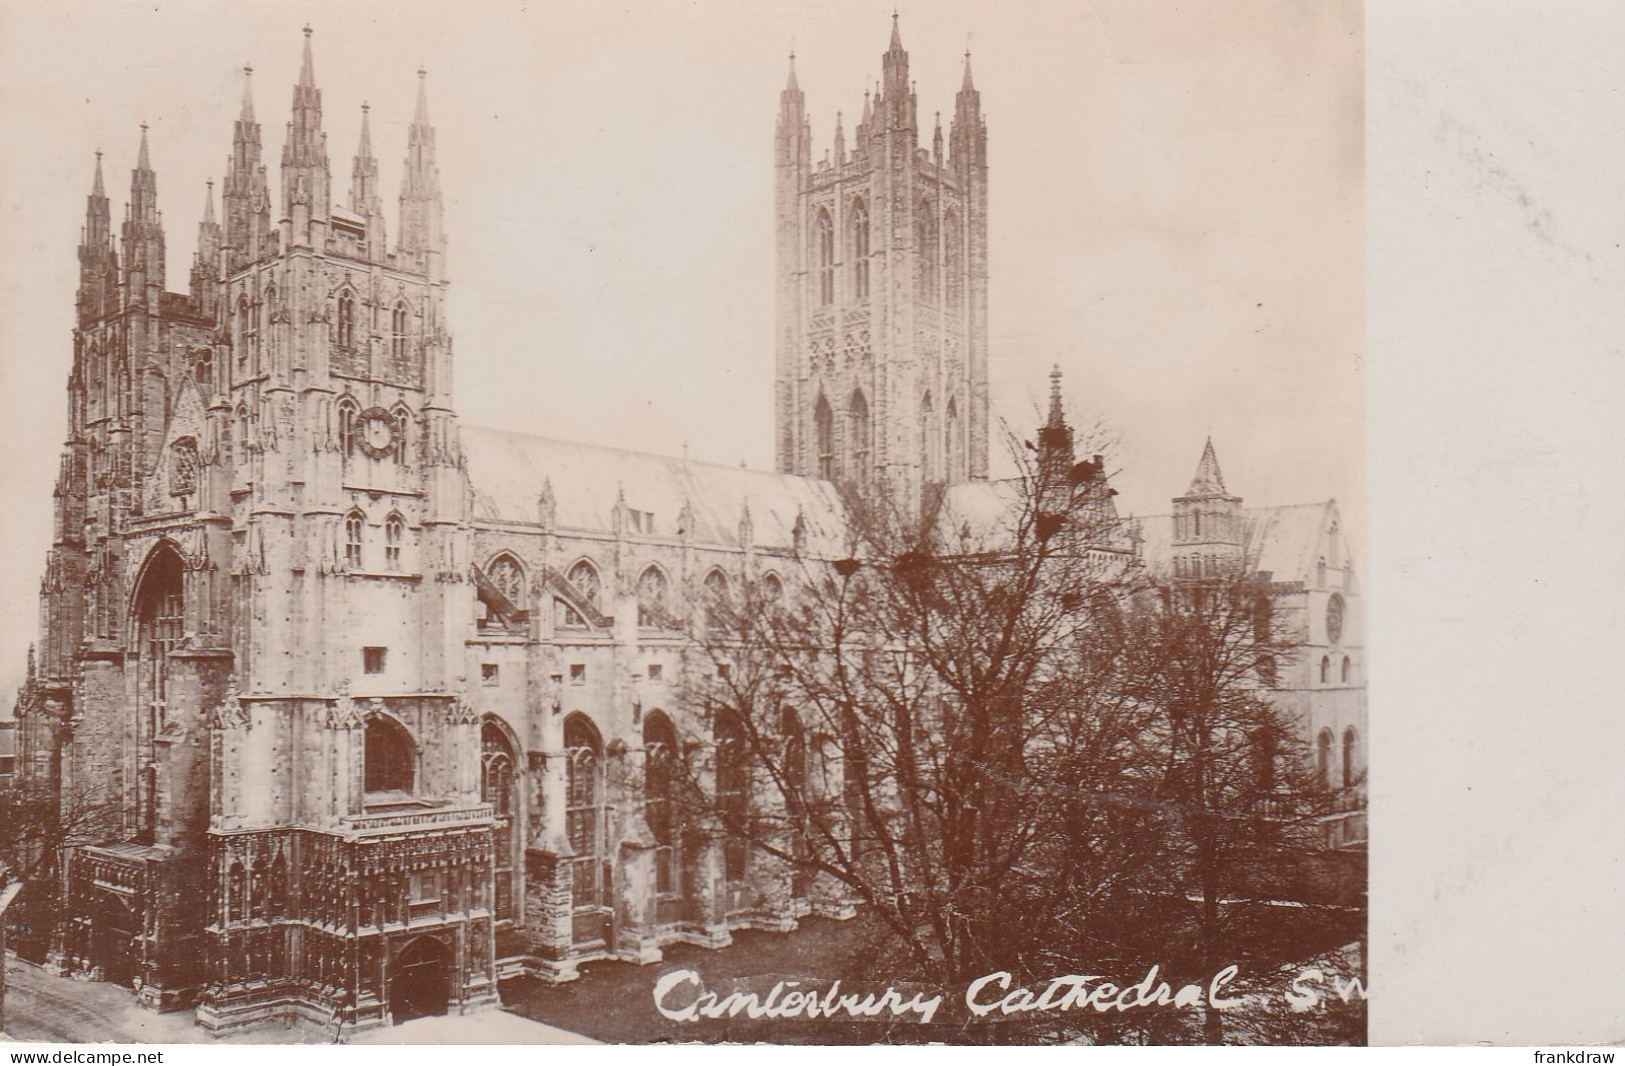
(377,698)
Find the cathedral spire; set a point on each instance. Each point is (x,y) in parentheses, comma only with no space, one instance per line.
(206,265)
(1208,480)
(967,86)
(246,116)
(143,231)
(97,264)
(245,201)
(307,67)
(305,175)
(364,198)
(1057,416)
(421,211)
(897,91)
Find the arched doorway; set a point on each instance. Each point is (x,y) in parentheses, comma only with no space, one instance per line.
(420,985)
(113,934)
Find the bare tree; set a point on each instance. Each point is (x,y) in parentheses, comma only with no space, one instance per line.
(36,825)
(1202,656)
(910,728)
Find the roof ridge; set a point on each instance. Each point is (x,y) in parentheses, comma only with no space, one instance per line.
(634,451)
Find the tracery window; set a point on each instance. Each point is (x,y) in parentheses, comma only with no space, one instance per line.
(824,434)
(925,246)
(584,576)
(390,756)
(859,434)
(355,525)
(583,811)
(826,259)
(394,533)
(346,319)
(660,782)
(716,598)
(397,331)
(509,578)
(860,250)
(349,416)
(497,761)
(733,792)
(402,418)
(651,597)
(160,624)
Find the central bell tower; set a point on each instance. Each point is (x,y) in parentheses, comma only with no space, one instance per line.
(881,345)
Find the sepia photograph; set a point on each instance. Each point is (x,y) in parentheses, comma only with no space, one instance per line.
(772,523)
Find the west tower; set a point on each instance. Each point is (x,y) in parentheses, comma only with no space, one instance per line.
(881,343)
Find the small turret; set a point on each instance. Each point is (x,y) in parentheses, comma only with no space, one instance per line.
(206,264)
(364,198)
(143,234)
(98,264)
(306,180)
(1208,531)
(421,210)
(245,200)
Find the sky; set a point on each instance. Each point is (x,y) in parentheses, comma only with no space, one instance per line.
(1176,211)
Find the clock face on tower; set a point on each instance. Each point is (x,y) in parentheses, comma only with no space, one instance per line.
(377,432)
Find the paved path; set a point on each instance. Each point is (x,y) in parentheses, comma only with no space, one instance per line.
(43,1008)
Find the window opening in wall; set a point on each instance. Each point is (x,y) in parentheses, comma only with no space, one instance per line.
(578,673)
(372,660)
(489,674)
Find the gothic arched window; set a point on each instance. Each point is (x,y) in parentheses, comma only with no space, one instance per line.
(355,525)
(660,783)
(497,762)
(772,589)
(716,598)
(824,434)
(651,597)
(1323,758)
(349,416)
(394,533)
(950,441)
(1350,738)
(826,259)
(402,419)
(584,576)
(1325,669)
(160,622)
(509,578)
(925,246)
(858,434)
(733,792)
(346,319)
(860,250)
(1348,670)
(397,331)
(584,809)
(390,756)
